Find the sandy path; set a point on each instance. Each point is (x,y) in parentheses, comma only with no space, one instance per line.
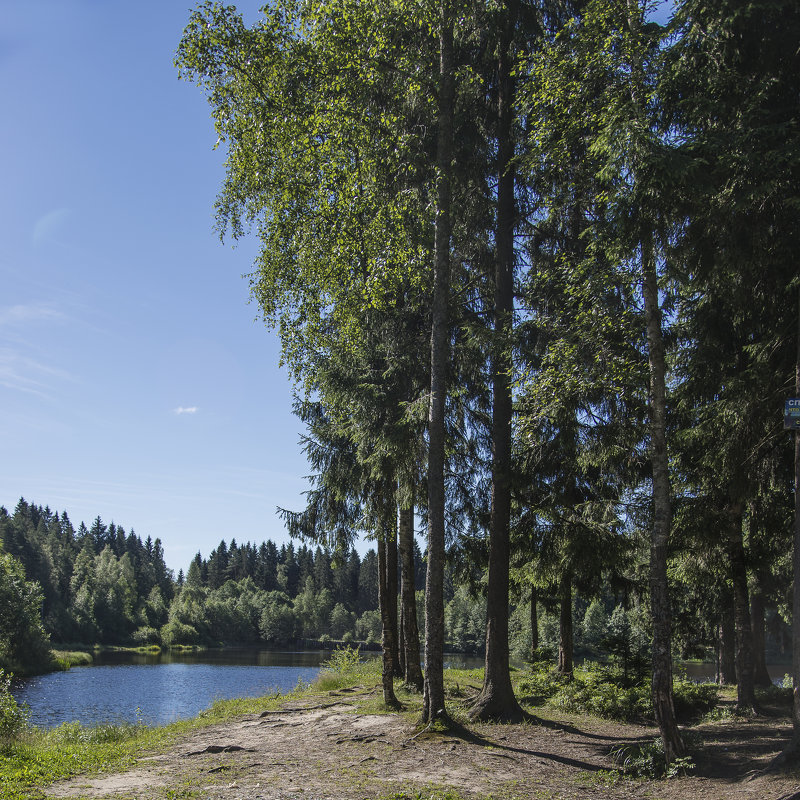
(320,748)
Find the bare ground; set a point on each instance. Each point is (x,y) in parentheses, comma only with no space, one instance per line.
(324,748)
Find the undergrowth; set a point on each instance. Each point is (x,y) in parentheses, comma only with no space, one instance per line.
(605,691)
(345,668)
(646,760)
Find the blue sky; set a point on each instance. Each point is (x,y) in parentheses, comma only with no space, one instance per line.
(135,380)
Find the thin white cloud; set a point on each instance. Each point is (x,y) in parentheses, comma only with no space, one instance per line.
(48,225)
(24,374)
(186,410)
(31,312)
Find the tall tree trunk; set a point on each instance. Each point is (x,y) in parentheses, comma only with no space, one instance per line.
(534,625)
(412,672)
(760,672)
(795,741)
(433,697)
(793,748)
(388,637)
(662,513)
(791,752)
(745,689)
(565,638)
(726,671)
(496,700)
(391,590)
(401,630)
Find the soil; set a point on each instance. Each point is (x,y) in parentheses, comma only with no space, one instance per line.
(325,748)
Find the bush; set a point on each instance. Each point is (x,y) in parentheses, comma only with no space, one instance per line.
(611,693)
(646,760)
(345,667)
(693,699)
(540,685)
(145,635)
(175,632)
(13,717)
(596,692)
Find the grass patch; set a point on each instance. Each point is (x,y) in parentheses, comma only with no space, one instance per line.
(346,668)
(65,659)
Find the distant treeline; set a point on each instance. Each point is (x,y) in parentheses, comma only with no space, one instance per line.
(103,585)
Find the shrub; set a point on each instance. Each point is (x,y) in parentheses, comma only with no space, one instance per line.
(596,692)
(145,635)
(345,667)
(13,717)
(539,685)
(343,660)
(646,760)
(693,699)
(175,632)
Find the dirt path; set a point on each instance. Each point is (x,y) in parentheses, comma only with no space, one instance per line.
(321,748)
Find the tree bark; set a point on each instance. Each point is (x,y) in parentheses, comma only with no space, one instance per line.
(433,705)
(660,611)
(565,638)
(388,637)
(534,625)
(412,671)
(795,741)
(726,669)
(391,590)
(791,752)
(745,688)
(760,672)
(496,700)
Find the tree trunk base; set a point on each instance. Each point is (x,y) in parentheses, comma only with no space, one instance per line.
(788,758)
(393,704)
(494,708)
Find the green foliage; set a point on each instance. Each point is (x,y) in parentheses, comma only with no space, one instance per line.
(24,646)
(598,691)
(692,699)
(345,668)
(781,693)
(646,760)
(71,658)
(343,659)
(13,717)
(465,621)
(608,692)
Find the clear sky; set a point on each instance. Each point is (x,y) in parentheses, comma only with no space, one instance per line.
(135,380)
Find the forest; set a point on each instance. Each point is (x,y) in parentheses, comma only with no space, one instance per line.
(533,270)
(98,586)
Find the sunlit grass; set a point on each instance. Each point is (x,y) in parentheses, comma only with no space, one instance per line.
(65,659)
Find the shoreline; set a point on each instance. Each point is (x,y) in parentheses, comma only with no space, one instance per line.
(335,740)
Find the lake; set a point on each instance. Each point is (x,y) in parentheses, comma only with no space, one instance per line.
(158,688)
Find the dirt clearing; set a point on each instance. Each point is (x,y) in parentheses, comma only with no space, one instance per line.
(327,747)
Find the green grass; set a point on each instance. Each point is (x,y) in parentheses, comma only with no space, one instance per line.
(64,659)
(346,668)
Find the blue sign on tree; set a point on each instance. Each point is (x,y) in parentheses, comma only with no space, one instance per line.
(791,414)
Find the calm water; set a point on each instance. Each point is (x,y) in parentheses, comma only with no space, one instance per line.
(707,671)
(163,687)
